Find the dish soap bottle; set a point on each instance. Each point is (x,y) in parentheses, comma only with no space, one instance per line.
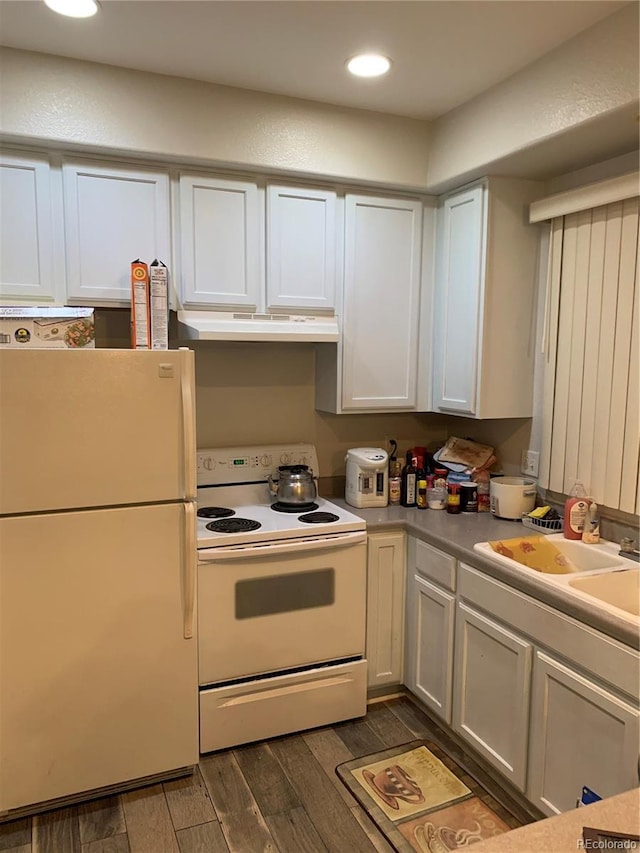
(575,512)
(591,532)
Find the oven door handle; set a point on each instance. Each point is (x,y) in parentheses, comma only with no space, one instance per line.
(260,550)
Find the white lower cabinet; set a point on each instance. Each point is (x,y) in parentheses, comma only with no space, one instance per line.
(429,632)
(581,734)
(431,663)
(550,702)
(491,691)
(385,608)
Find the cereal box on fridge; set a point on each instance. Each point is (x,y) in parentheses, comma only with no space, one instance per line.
(52,327)
(159,303)
(140,306)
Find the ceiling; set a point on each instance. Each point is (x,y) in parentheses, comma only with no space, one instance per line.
(444,52)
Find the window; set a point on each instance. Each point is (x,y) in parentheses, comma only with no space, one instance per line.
(591,422)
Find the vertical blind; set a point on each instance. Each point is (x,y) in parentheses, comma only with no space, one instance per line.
(591,418)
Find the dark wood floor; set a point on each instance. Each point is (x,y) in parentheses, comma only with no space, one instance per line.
(278,795)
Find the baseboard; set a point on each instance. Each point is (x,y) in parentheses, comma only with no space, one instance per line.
(96,793)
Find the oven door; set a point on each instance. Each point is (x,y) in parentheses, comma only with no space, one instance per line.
(274,606)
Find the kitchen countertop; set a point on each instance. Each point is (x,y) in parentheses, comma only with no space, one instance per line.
(563,833)
(457,534)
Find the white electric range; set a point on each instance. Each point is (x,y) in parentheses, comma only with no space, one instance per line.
(281,602)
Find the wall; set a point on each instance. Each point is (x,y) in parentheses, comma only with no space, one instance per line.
(568,104)
(265,393)
(574,106)
(75,103)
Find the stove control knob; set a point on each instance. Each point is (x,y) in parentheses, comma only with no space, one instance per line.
(285,459)
(208,463)
(265,461)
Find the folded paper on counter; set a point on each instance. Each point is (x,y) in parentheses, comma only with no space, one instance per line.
(536,552)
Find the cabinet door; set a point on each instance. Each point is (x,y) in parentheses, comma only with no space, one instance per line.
(381,302)
(458,301)
(432,646)
(581,734)
(112,217)
(301,248)
(30,263)
(491,691)
(220,242)
(385,608)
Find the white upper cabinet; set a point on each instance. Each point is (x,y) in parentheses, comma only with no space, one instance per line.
(220,227)
(457,301)
(301,248)
(113,215)
(484,301)
(31,255)
(375,368)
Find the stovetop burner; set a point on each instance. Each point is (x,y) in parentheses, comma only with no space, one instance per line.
(233,525)
(215,512)
(278,506)
(318,517)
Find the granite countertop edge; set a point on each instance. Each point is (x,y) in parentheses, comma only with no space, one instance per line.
(457,534)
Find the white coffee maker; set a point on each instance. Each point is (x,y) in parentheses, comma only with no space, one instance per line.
(367,480)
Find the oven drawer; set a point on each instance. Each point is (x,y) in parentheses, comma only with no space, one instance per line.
(268,609)
(266,708)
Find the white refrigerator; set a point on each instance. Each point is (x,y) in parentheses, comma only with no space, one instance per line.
(98,669)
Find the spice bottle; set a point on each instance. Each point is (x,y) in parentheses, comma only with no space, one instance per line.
(421,485)
(408,483)
(395,480)
(453,498)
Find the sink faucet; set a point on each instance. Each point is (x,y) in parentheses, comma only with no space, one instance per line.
(627,550)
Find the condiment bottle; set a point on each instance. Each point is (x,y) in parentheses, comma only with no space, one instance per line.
(440,477)
(591,532)
(482,478)
(575,512)
(395,481)
(421,483)
(408,483)
(453,498)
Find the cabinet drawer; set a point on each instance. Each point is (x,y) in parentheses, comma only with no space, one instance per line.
(266,708)
(596,653)
(435,565)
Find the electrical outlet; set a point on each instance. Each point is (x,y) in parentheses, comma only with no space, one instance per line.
(530,462)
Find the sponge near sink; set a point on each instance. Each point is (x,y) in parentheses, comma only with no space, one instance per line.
(535,552)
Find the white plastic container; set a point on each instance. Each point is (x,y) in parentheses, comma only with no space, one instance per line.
(512,497)
(367,477)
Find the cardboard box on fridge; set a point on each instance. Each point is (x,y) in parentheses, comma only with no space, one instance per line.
(54,328)
(140,306)
(159,305)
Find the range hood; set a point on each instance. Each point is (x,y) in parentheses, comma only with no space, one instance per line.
(245,326)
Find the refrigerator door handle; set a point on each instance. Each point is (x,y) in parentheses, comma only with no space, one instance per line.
(190,562)
(187,381)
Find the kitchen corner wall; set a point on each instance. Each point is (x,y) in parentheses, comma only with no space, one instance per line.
(254,393)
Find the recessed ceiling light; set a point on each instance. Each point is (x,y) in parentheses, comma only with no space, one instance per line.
(369,65)
(74,8)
